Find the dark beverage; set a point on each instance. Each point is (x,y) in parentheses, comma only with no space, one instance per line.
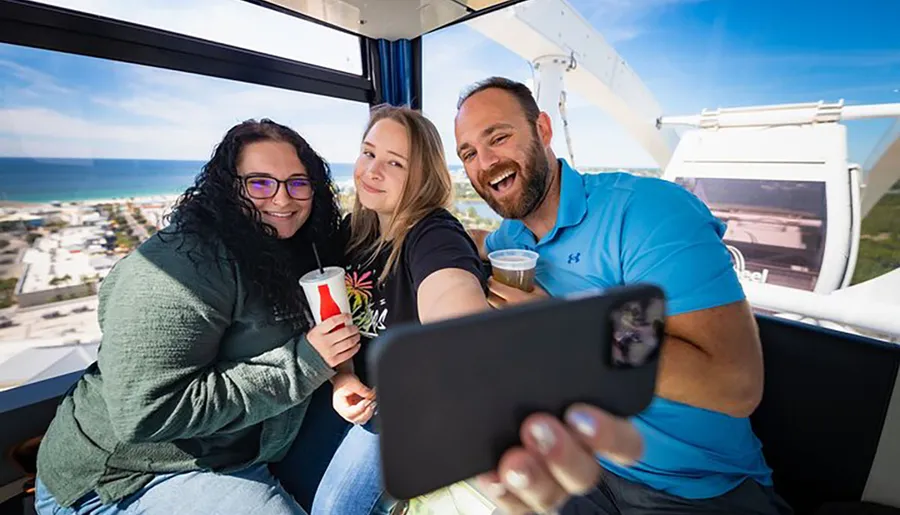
(514,267)
(521,279)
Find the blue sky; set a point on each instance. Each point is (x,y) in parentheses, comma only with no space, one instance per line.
(690,53)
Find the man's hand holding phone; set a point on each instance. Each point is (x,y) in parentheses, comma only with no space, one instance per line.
(557,459)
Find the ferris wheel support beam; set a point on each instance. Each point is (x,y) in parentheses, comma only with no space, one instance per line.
(538,29)
(549,91)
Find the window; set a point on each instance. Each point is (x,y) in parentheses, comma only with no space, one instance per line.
(775,229)
(691,56)
(452,59)
(236,23)
(92,153)
(879,245)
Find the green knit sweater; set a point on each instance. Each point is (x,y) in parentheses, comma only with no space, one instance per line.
(192,373)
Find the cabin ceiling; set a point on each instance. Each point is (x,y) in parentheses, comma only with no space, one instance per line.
(387,19)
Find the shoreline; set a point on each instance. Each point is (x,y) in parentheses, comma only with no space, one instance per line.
(142,199)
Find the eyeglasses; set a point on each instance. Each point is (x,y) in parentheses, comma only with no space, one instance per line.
(263,187)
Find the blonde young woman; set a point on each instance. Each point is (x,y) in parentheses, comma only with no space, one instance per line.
(408,260)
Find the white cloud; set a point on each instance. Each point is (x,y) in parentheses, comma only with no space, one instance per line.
(163,114)
(598,140)
(454,59)
(40,82)
(170,115)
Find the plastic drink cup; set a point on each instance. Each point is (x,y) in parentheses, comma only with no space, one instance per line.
(326,292)
(514,267)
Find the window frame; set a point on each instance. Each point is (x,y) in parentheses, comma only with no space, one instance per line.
(47,27)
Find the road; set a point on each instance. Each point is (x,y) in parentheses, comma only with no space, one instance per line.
(139,229)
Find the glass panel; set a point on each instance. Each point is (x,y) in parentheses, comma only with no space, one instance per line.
(879,244)
(92,154)
(776,229)
(692,57)
(453,59)
(236,23)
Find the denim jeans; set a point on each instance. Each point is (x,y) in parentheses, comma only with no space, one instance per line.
(322,431)
(352,484)
(280,488)
(332,467)
(252,490)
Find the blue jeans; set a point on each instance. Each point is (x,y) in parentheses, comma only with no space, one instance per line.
(287,487)
(352,483)
(252,490)
(322,431)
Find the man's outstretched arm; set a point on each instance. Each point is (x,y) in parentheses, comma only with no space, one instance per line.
(712,359)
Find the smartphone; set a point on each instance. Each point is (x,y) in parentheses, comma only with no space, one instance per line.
(453,394)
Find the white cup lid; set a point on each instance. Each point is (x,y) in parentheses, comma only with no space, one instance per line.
(513,259)
(315,276)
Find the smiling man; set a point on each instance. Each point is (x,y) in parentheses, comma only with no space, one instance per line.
(597,231)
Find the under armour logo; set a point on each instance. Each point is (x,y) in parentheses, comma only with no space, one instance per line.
(574,258)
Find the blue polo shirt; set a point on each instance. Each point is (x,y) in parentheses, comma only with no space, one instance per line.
(614,229)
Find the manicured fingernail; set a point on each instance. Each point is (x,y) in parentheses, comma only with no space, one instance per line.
(517,478)
(543,436)
(583,423)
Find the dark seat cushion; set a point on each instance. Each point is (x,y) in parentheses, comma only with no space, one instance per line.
(826,396)
(856,508)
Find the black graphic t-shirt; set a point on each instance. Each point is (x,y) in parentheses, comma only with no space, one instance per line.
(438,241)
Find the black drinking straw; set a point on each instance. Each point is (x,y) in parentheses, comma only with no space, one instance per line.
(318,261)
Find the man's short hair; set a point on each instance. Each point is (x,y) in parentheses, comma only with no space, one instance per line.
(517,89)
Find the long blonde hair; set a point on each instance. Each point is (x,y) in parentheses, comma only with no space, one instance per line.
(428,187)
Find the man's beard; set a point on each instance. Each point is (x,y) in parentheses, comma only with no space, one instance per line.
(534,184)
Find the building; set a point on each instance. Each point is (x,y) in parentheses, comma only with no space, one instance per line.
(63,265)
(20,221)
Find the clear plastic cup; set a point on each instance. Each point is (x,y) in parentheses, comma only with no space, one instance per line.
(326,292)
(514,267)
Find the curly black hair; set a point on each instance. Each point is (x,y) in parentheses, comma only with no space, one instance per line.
(216,212)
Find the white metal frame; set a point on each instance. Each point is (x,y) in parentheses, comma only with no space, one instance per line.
(855,223)
(784,114)
(772,135)
(537,29)
(810,152)
(876,317)
(550,91)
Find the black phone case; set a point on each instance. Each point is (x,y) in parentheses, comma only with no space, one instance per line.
(452,394)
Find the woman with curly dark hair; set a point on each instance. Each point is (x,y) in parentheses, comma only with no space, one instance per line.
(208,358)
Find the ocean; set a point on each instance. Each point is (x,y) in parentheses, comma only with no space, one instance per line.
(69,180)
